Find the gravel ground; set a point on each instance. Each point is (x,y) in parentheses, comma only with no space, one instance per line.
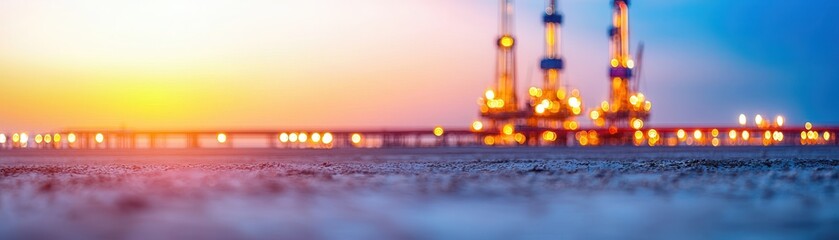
(440,193)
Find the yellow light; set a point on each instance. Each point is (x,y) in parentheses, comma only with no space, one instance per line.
(648,105)
(438,131)
(57,138)
(315,137)
(477,125)
(803,135)
(574,102)
(732,134)
(808,126)
(489,94)
(71,138)
(15,138)
(302,137)
(576,110)
(24,138)
(507,41)
(812,135)
(715,142)
(697,134)
(355,138)
(594,115)
(767,135)
(508,129)
(283,137)
(47,138)
(742,119)
(101,138)
(549,136)
(745,135)
(604,106)
(39,139)
(573,125)
(292,137)
(826,136)
(639,135)
(633,100)
(652,134)
(2,138)
(779,120)
(535,92)
(614,62)
(520,138)
(327,138)
(540,109)
(637,124)
(758,120)
(221,138)
(630,63)
(715,132)
(680,134)
(489,140)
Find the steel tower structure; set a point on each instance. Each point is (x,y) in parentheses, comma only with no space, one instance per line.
(627,107)
(499,105)
(551,105)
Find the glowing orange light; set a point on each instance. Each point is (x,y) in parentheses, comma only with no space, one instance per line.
(648,105)
(489,140)
(573,125)
(715,132)
(652,134)
(826,136)
(292,137)
(101,138)
(715,142)
(732,134)
(549,136)
(477,125)
(438,131)
(604,106)
(639,135)
(758,120)
(637,124)
(520,138)
(745,135)
(327,138)
(680,134)
(302,137)
(506,41)
(221,138)
(594,115)
(315,137)
(808,126)
(508,129)
(355,138)
(489,94)
(697,134)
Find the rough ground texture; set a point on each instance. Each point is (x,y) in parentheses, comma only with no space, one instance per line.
(442,193)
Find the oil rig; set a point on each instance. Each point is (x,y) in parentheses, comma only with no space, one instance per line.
(627,107)
(550,107)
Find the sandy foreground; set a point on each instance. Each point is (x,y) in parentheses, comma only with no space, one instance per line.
(438,193)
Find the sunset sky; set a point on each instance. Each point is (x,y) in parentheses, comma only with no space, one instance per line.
(184,64)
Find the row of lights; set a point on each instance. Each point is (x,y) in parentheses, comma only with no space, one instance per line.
(23,138)
(325,138)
